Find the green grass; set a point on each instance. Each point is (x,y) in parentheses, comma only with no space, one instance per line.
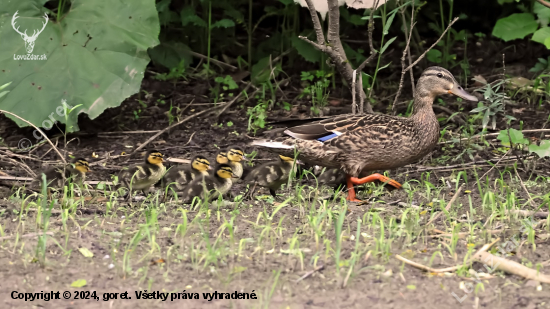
(264,245)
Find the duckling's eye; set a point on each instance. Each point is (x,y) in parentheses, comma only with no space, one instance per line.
(439,75)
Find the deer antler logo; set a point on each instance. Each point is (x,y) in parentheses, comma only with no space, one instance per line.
(29,40)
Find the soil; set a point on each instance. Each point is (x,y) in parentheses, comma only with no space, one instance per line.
(377,282)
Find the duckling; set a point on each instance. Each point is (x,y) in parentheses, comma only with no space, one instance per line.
(141,177)
(273,174)
(333,177)
(58,176)
(221,157)
(235,155)
(220,182)
(180,176)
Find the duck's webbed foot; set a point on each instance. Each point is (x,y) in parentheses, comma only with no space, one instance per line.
(372,178)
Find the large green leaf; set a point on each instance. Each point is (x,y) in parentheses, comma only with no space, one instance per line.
(516,136)
(306,50)
(543,14)
(541,35)
(542,150)
(95,56)
(515,26)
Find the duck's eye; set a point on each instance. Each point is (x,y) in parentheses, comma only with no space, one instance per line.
(439,75)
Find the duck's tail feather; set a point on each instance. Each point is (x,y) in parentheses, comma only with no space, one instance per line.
(271,144)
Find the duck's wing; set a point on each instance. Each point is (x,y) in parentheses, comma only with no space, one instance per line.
(329,129)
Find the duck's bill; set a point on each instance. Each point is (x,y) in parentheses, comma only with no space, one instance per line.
(244,158)
(460,92)
(300,162)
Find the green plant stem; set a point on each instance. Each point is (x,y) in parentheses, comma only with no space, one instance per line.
(379,54)
(209,37)
(249,33)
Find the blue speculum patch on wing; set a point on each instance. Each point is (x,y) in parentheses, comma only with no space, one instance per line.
(328,137)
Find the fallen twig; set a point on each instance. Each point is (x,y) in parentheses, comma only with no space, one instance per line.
(37,129)
(407,49)
(19,164)
(491,134)
(228,104)
(448,269)
(527,213)
(309,273)
(222,64)
(511,267)
(30,235)
(453,199)
(177,124)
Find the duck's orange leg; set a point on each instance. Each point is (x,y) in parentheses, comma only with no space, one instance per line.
(351,190)
(372,178)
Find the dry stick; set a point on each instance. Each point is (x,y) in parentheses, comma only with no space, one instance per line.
(11,154)
(309,273)
(453,199)
(227,105)
(373,53)
(223,64)
(30,235)
(448,269)
(353,103)
(38,129)
(334,49)
(527,213)
(177,124)
(494,134)
(481,163)
(545,3)
(487,172)
(128,132)
(407,48)
(511,267)
(20,164)
(433,45)
(524,188)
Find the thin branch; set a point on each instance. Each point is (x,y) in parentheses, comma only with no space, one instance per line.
(370,30)
(545,3)
(448,269)
(214,61)
(37,129)
(453,199)
(433,45)
(353,103)
(407,48)
(316,24)
(177,124)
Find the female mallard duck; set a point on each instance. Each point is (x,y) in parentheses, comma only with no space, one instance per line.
(143,176)
(220,183)
(359,144)
(235,155)
(272,174)
(57,177)
(180,176)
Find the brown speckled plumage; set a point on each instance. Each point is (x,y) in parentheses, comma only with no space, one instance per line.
(373,141)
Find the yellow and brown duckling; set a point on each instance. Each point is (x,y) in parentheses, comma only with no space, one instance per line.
(59,176)
(143,176)
(210,186)
(332,177)
(235,155)
(221,157)
(180,176)
(272,175)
